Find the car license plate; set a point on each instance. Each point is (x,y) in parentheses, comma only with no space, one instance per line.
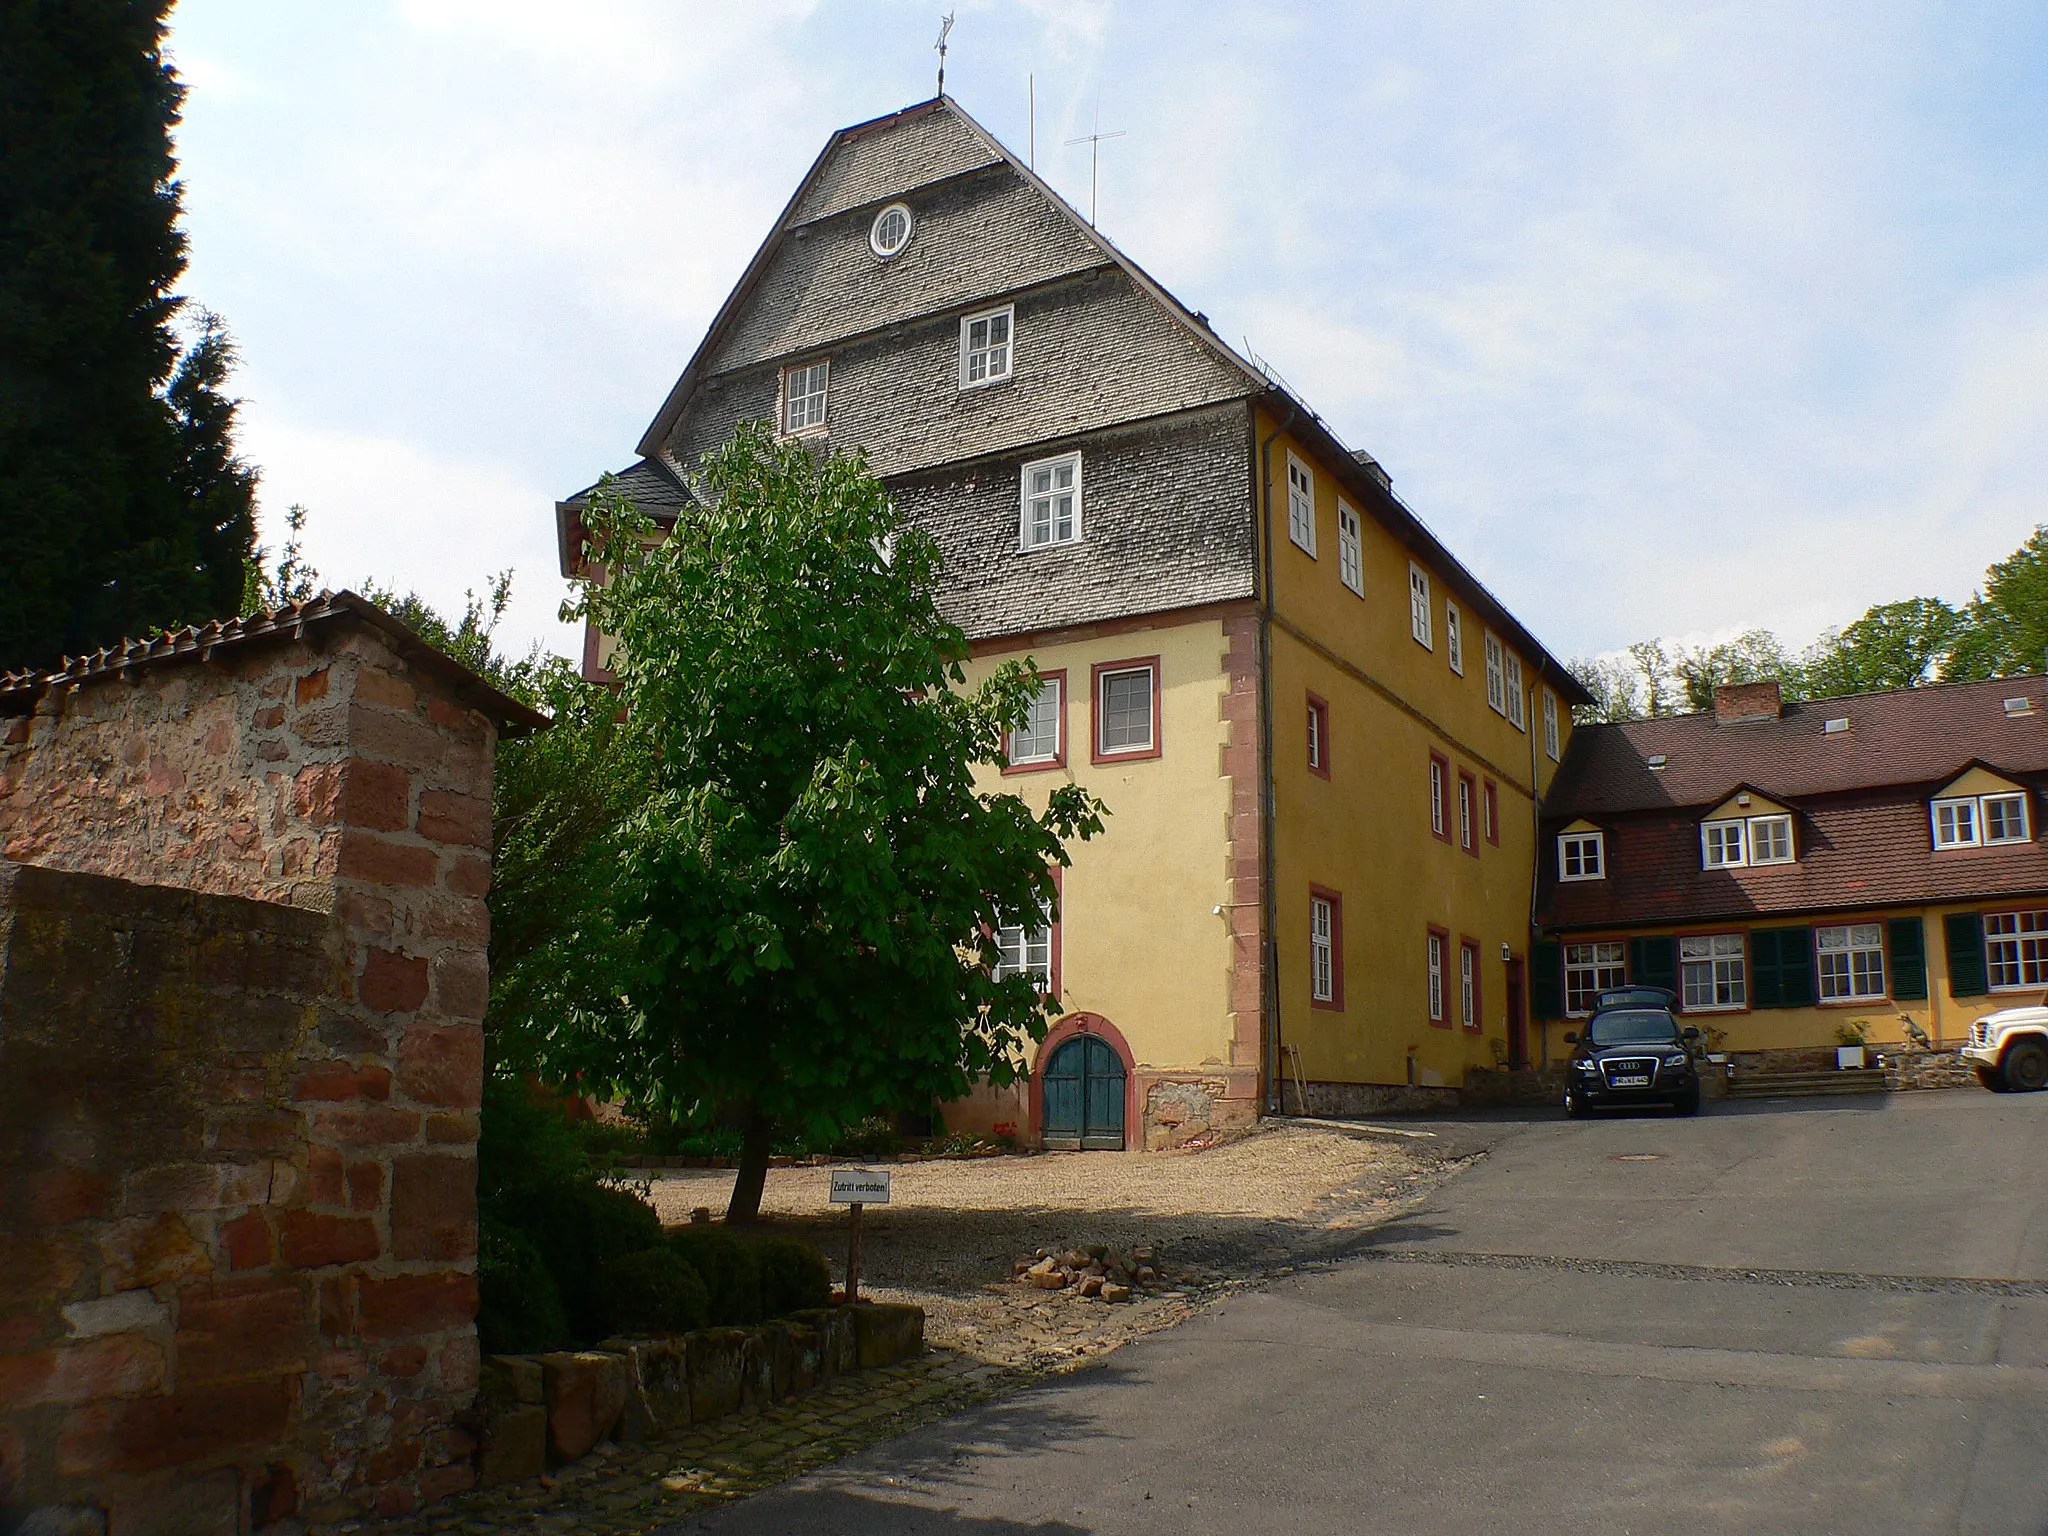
(1633,1080)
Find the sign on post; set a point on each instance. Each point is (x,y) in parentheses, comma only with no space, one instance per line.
(857,1187)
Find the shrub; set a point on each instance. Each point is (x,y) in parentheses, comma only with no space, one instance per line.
(794,1276)
(729,1271)
(651,1292)
(519,1307)
(581,1228)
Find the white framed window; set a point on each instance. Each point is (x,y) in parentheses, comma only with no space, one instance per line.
(1052,502)
(891,230)
(1436,976)
(1436,796)
(1550,744)
(1454,637)
(1496,675)
(1318,735)
(1722,845)
(1955,824)
(1350,549)
(1465,813)
(985,347)
(1770,839)
(1582,856)
(1851,962)
(1322,949)
(1418,606)
(1517,712)
(1125,712)
(1026,951)
(1589,970)
(1038,739)
(2016,949)
(1301,504)
(803,396)
(1711,971)
(2004,818)
(1468,986)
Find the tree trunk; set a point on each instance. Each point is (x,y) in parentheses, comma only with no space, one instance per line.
(756,1137)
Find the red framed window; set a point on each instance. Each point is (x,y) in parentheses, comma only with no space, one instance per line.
(1124,712)
(1041,741)
(1034,948)
(1436,954)
(1318,736)
(1439,793)
(1468,985)
(1489,811)
(1468,794)
(1325,948)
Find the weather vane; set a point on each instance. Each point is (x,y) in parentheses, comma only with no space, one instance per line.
(945,26)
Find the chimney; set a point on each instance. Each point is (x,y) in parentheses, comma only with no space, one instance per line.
(1735,702)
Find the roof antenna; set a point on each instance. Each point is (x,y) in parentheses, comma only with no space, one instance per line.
(945,26)
(1094,143)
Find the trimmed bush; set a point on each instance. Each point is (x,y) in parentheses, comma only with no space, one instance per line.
(794,1276)
(580,1229)
(651,1292)
(519,1307)
(729,1271)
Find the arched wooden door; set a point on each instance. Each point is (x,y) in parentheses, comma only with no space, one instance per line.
(1084,1096)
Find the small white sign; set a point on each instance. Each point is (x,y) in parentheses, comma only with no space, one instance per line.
(859,1186)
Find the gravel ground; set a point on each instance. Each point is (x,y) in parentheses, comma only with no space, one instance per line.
(1293,1193)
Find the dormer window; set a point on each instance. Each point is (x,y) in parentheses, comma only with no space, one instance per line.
(1582,856)
(1746,840)
(1976,820)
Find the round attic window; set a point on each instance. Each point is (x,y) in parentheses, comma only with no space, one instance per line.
(891,230)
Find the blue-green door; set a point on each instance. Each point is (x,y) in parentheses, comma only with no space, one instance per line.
(1084,1096)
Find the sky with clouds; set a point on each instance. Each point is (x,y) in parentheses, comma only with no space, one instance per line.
(1671,319)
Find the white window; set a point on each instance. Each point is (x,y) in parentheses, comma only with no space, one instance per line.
(1052,502)
(1770,839)
(1350,551)
(1026,952)
(1468,985)
(1516,713)
(1436,976)
(1589,970)
(1464,812)
(1955,824)
(803,396)
(1418,606)
(985,347)
(1496,675)
(1436,797)
(1454,638)
(1582,856)
(1711,971)
(1125,707)
(2005,818)
(2016,949)
(1550,747)
(1322,950)
(1722,845)
(1318,735)
(1851,962)
(891,230)
(1038,739)
(1301,504)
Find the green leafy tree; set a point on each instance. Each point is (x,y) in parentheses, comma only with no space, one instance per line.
(123,505)
(2006,628)
(1894,645)
(1612,682)
(1654,669)
(812,883)
(1755,656)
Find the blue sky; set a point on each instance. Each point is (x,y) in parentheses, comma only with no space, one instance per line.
(1672,319)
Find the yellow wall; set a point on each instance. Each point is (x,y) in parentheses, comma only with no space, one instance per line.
(1141,942)
(1365,832)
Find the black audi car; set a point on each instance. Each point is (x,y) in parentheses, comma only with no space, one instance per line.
(1632,1052)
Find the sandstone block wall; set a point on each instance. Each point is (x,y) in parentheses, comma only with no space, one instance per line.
(239,1081)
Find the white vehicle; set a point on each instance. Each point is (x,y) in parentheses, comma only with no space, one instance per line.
(2009,1049)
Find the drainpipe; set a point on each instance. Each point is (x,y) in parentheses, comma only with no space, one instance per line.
(1270,949)
(1535,863)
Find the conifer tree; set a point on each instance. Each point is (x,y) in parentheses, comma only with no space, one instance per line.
(123,504)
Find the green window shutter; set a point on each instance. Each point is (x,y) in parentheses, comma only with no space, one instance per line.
(1965,934)
(1907,939)
(1764,988)
(1654,962)
(1781,968)
(1546,981)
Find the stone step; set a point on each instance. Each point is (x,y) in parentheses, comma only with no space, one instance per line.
(1761,1085)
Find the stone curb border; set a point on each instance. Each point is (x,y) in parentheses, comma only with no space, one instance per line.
(534,1412)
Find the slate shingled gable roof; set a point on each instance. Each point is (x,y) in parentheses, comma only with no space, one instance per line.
(654,488)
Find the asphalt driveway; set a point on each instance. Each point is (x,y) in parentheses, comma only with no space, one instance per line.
(1818,1316)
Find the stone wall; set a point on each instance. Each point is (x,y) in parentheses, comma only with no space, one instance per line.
(237,1148)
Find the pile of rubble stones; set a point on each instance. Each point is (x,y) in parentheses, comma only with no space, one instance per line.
(1097,1271)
